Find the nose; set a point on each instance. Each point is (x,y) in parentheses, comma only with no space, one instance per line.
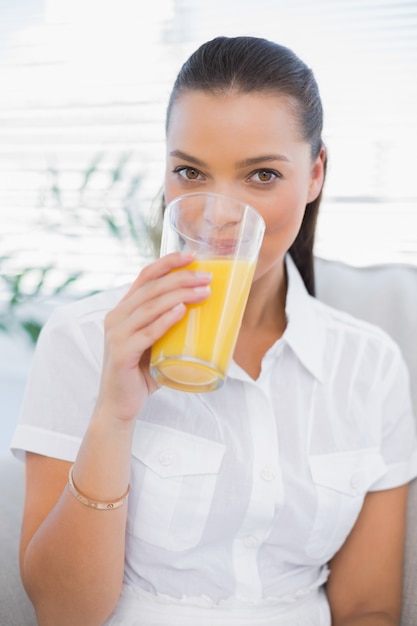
(222,211)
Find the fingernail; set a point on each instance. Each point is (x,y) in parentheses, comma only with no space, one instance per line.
(203,289)
(204,275)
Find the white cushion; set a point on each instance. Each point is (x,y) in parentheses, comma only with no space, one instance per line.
(385,295)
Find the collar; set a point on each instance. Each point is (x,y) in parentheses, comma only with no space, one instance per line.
(305,333)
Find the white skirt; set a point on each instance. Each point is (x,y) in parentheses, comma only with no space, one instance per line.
(137,607)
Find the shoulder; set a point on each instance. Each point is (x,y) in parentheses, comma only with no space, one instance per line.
(360,345)
(76,327)
(88,310)
(346,323)
(383,294)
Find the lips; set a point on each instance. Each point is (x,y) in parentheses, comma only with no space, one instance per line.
(219,246)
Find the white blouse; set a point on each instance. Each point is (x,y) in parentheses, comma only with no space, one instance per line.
(241,495)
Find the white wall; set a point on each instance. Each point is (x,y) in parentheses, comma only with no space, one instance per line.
(91,77)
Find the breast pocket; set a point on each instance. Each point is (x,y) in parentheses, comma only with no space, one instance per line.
(175,476)
(341,481)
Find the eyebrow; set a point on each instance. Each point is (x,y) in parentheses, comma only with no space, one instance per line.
(187,157)
(240,164)
(262,159)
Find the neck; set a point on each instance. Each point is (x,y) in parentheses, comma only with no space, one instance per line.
(266,302)
(264,320)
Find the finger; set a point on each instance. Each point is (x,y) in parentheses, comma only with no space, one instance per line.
(154,308)
(160,268)
(129,343)
(155,299)
(180,281)
(121,327)
(147,337)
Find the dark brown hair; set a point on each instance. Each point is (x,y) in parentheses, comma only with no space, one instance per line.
(252,64)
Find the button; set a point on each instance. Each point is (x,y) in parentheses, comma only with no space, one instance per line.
(268,474)
(250,541)
(355,482)
(166,457)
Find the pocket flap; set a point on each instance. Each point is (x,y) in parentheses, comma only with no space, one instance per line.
(169,452)
(351,472)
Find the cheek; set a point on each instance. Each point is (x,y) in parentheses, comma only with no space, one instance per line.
(286,211)
(169,187)
(283,219)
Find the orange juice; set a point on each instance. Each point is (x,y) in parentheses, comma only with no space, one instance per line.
(194,354)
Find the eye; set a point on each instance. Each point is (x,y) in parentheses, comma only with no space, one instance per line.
(264,176)
(189,173)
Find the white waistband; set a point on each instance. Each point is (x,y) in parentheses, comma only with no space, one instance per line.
(137,607)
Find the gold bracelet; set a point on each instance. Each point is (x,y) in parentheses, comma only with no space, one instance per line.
(101,506)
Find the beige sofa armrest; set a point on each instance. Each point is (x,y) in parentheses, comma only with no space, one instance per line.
(409,605)
(15,607)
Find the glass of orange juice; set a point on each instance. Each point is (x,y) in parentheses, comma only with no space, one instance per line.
(226,236)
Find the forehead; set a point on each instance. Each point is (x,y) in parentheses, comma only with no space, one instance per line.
(256,114)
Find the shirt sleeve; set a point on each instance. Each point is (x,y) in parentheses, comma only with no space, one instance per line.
(62,387)
(398,424)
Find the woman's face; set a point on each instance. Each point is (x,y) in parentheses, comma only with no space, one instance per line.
(247,146)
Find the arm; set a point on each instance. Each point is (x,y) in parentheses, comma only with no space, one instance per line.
(72,556)
(365,583)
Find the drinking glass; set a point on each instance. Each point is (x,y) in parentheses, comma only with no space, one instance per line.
(226,235)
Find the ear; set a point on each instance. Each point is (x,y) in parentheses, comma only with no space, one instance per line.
(317,175)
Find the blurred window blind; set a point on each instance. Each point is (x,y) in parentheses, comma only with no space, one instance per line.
(82,105)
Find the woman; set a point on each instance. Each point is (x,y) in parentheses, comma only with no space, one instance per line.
(279,498)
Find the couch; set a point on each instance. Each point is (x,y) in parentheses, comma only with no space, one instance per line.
(385,295)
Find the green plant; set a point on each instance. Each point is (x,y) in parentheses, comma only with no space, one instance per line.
(112,202)
(105,199)
(23,289)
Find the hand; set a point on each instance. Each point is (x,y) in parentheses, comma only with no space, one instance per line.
(155,302)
